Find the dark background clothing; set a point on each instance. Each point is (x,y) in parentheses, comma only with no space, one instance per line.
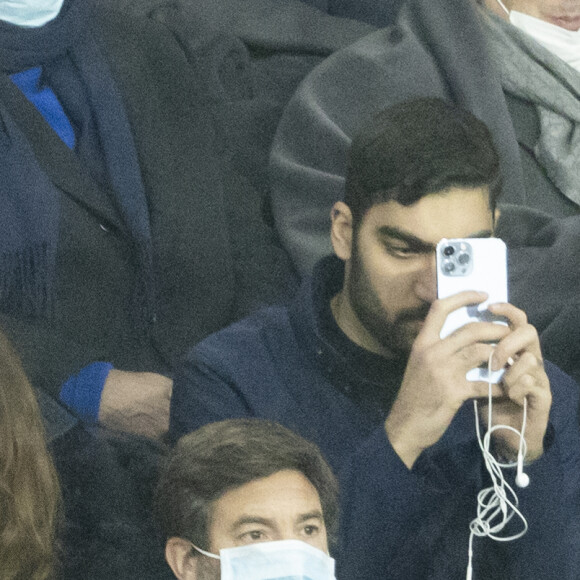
(107,482)
(544,279)
(214,258)
(377,12)
(282,41)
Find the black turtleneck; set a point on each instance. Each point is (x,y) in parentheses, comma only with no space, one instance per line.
(380,377)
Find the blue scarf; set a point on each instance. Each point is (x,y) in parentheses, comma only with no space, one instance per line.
(73,66)
(44,99)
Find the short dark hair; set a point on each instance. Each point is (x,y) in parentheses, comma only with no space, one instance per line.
(416,148)
(221,456)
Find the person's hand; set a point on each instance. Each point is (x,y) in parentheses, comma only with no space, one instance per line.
(136,403)
(434,385)
(525,378)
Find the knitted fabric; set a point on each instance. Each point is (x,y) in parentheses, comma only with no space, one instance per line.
(529,71)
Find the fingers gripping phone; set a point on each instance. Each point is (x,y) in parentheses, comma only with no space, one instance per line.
(473,264)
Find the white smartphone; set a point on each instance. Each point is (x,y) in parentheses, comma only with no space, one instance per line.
(473,264)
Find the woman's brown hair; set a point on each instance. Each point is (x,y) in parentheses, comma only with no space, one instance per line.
(29,491)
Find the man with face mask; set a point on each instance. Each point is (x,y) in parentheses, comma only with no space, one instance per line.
(356,364)
(247,499)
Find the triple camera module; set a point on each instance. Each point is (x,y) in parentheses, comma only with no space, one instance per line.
(456,259)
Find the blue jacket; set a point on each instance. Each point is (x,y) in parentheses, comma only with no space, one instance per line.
(397,524)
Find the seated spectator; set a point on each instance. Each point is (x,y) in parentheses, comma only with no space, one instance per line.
(244,482)
(422,55)
(126,235)
(105,484)
(356,364)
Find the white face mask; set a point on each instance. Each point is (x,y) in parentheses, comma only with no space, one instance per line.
(29,13)
(281,560)
(563,43)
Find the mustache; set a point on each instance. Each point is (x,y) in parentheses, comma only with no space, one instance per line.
(413,314)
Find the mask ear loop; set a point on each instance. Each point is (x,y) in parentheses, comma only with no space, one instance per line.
(497,504)
(504,7)
(204,553)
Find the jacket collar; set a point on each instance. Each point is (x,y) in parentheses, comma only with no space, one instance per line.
(306,312)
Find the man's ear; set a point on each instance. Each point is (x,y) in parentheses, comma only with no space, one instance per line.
(341,230)
(179,557)
(496,215)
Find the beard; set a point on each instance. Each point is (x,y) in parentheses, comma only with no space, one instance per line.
(397,335)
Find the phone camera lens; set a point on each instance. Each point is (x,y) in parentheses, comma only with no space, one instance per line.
(463,258)
(449,250)
(448,267)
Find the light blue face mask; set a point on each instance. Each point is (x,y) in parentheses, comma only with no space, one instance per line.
(281,560)
(29,13)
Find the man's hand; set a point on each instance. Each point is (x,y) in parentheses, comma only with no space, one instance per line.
(136,403)
(525,378)
(434,386)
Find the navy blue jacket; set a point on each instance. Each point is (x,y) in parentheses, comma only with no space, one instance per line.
(397,523)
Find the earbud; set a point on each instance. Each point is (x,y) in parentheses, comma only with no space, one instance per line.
(522,479)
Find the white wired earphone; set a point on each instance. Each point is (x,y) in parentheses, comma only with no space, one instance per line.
(496,505)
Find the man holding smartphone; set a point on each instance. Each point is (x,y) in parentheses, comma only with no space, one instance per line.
(357,364)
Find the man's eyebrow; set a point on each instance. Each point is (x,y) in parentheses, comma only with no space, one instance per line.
(313,515)
(243,520)
(409,239)
(417,243)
